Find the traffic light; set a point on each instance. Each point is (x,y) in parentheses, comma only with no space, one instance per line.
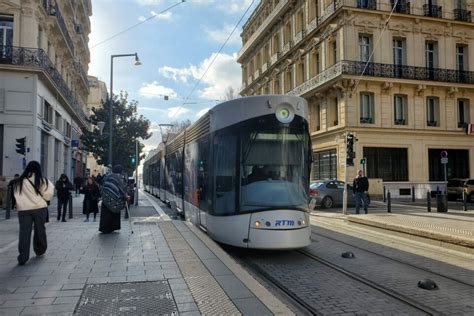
(350,149)
(21,146)
(133,160)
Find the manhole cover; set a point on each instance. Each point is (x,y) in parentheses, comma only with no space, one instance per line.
(135,298)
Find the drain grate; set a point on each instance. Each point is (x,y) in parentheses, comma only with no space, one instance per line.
(133,298)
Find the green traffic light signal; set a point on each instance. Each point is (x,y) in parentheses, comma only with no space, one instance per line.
(133,160)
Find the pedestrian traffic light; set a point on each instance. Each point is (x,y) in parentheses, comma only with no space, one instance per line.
(133,160)
(21,146)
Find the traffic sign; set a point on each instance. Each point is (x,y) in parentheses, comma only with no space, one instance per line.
(444,154)
(362,161)
(444,160)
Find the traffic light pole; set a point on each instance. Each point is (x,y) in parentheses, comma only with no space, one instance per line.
(344,194)
(136,172)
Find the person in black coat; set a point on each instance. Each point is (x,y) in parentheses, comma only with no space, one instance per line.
(63,187)
(91,198)
(78,184)
(360,186)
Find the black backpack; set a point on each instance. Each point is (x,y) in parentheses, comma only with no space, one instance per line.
(112,195)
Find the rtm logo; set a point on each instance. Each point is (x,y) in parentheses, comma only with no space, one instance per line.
(284,222)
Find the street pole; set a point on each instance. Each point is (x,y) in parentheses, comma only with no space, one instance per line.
(136,172)
(110,108)
(344,195)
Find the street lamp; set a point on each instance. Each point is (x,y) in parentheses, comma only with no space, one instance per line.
(164,138)
(101,125)
(137,63)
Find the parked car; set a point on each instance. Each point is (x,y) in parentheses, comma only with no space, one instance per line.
(456,186)
(329,193)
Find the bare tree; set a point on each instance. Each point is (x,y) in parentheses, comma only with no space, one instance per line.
(230,94)
(177,128)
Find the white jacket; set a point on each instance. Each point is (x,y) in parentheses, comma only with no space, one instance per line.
(28,199)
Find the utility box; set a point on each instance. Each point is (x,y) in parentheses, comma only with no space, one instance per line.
(442,203)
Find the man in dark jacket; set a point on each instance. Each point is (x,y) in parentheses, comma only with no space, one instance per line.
(63,189)
(360,186)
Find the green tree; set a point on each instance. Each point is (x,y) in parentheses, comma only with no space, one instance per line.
(127,126)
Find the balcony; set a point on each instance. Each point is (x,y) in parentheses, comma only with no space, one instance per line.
(37,59)
(53,10)
(366,120)
(367,4)
(462,15)
(434,11)
(82,73)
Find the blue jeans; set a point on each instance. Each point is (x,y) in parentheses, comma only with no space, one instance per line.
(361,198)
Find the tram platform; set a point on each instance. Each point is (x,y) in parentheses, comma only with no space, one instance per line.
(164,266)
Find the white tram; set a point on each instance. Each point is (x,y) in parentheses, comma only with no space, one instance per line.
(241,172)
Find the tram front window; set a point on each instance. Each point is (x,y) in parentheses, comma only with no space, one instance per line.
(274,168)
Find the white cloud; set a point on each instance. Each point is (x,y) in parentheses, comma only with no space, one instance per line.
(154,90)
(224,73)
(141,18)
(163,16)
(202,112)
(149,2)
(222,34)
(230,6)
(177,111)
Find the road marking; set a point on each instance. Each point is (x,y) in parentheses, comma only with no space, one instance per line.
(158,209)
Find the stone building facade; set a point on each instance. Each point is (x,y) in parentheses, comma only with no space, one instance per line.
(44,59)
(397,74)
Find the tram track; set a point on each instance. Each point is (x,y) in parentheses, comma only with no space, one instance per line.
(402,298)
(394,260)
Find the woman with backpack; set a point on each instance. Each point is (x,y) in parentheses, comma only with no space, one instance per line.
(32,192)
(91,198)
(114,194)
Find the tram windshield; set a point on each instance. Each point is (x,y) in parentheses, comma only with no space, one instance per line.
(274,166)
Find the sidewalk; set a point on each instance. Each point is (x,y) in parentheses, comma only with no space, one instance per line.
(164,267)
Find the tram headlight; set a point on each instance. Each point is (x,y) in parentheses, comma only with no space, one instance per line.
(257,224)
(285,113)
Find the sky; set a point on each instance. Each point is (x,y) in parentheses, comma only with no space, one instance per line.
(175,48)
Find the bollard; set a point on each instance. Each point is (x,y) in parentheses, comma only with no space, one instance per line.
(413,193)
(389,203)
(70,206)
(464,200)
(428,201)
(384,197)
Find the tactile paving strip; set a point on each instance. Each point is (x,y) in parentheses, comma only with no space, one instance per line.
(132,298)
(207,293)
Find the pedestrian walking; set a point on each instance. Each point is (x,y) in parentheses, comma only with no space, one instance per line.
(32,192)
(63,190)
(360,186)
(91,198)
(3,191)
(78,184)
(114,194)
(10,187)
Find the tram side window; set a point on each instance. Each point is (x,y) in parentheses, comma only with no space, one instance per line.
(225,155)
(190,174)
(171,173)
(179,173)
(204,199)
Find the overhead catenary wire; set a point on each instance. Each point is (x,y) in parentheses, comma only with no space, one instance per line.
(137,24)
(213,59)
(375,46)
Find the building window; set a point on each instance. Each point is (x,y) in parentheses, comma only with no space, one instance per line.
(367,108)
(275,44)
(266,53)
(399,52)
(334,53)
(463,112)
(44,153)
(325,165)
(431,53)
(316,118)
(400,109)
(432,111)
(389,164)
(288,80)
(313,10)
(461,62)
(458,164)
(301,69)
(300,21)
(333,112)
(67,129)
(276,86)
(287,33)
(365,47)
(57,121)
(48,112)
(315,63)
(6,35)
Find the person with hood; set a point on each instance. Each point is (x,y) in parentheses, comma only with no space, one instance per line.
(63,188)
(91,198)
(32,192)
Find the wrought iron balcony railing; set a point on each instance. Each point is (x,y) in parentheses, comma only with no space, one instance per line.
(82,73)
(400,122)
(37,59)
(435,11)
(52,9)
(432,123)
(462,15)
(407,72)
(366,120)
(367,4)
